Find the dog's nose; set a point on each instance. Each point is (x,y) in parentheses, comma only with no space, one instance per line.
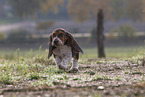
(55,41)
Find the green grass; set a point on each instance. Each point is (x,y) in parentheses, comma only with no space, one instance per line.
(31,67)
(111,52)
(114,52)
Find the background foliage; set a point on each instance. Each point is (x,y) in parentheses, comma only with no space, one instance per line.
(80,10)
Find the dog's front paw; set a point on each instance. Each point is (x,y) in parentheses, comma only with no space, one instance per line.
(62,67)
(73,70)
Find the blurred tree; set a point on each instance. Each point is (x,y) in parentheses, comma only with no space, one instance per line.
(81,10)
(23,8)
(136,9)
(50,5)
(126,32)
(119,9)
(143,10)
(106,8)
(2,12)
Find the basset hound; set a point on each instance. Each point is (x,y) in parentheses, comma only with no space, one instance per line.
(64,48)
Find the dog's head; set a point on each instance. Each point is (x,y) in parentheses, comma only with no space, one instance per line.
(60,37)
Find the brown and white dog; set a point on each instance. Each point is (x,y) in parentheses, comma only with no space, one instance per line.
(64,48)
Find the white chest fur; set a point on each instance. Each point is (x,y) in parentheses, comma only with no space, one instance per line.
(61,51)
(64,56)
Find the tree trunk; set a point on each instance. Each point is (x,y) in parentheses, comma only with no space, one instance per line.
(143,64)
(100,35)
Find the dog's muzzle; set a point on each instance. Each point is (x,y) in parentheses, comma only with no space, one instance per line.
(57,42)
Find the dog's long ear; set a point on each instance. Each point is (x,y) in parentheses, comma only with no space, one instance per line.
(72,42)
(51,47)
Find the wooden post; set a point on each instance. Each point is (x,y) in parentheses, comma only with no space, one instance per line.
(143,64)
(100,35)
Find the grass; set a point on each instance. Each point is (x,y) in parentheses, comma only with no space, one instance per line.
(32,68)
(114,52)
(111,52)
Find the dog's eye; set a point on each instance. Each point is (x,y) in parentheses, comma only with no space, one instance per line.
(60,35)
(54,35)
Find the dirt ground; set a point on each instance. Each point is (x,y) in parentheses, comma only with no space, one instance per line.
(123,91)
(114,79)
